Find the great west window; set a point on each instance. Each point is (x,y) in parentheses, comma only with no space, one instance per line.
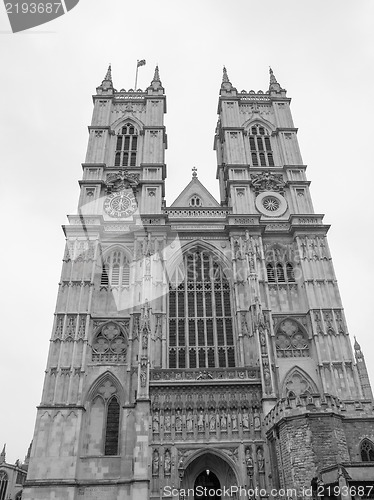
(200,322)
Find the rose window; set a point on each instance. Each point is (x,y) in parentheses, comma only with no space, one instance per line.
(110,344)
(271,203)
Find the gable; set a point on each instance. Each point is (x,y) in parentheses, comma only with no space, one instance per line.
(195,188)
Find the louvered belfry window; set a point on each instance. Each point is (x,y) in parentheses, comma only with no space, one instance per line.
(116,270)
(200,321)
(126,146)
(260,146)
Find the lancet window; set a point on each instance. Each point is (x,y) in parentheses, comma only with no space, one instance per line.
(367,451)
(260,146)
(126,146)
(278,272)
(3,484)
(116,270)
(104,414)
(200,321)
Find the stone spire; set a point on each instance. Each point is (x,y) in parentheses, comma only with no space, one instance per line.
(225,76)
(108,76)
(156,82)
(107,83)
(362,371)
(274,85)
(3,455)
(226,84)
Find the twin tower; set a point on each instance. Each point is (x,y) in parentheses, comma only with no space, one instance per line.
(201,344)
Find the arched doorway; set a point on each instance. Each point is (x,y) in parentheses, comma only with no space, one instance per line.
(207,486)
(210,469)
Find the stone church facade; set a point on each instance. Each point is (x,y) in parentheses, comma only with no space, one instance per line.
(202,343)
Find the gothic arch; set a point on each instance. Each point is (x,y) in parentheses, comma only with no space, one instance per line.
(222,259)
(366,450)
(298,382)
(107,376)
(127,117)
(214,460)
(255,119)
(116,247)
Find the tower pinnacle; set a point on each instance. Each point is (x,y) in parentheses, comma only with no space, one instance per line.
(226,84)
(156,83)
(274,85)
(3,455)
(108,76)
(194,172)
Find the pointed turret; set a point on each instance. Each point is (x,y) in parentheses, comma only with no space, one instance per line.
(274,85)
(362,371)
(107,83)
(3,455)
(156,82)
(226,84)
(108,76)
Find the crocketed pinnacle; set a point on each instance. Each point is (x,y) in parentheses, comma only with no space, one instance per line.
(108,76)
(156,77)
(357,345)
(225,77)
(3,455)
(272,77)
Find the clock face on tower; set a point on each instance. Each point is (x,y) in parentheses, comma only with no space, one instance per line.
(121,204)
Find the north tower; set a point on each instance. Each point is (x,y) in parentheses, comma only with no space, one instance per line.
(202,343)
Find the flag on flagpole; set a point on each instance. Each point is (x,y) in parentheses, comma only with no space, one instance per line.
(141,63)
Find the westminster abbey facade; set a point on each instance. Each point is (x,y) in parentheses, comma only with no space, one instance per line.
(202,343)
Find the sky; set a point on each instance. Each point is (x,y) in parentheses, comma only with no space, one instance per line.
(321,52)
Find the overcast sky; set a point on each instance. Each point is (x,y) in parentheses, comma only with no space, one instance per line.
(321,52)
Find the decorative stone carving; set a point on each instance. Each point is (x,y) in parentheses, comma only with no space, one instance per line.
(109,344)
(155,463)
(290,340)
(268,182)
(119,181)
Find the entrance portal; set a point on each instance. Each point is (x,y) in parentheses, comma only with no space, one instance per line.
(210,470)
(208,483)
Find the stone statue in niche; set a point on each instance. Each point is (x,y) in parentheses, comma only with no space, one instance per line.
(256,420)
(234,421)
(200,421)
(248,461)
(167,462)
(155,463)
(156,422)
(178,421)
(223,421)
(260,459)
(167,422)
(212,421)
(245,420)
(189,421)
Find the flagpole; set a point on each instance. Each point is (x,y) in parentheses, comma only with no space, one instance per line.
(136,74)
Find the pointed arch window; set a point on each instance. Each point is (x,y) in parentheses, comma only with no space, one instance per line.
(3,484)
(112,427)
(367,451)
(104,416)
(260,146)
(116,270)
(126,146)
(200,321)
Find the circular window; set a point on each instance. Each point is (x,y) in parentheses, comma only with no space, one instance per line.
(271,204)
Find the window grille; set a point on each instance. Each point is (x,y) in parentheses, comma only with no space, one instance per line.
(260,147)
(126,146)
(200,321)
